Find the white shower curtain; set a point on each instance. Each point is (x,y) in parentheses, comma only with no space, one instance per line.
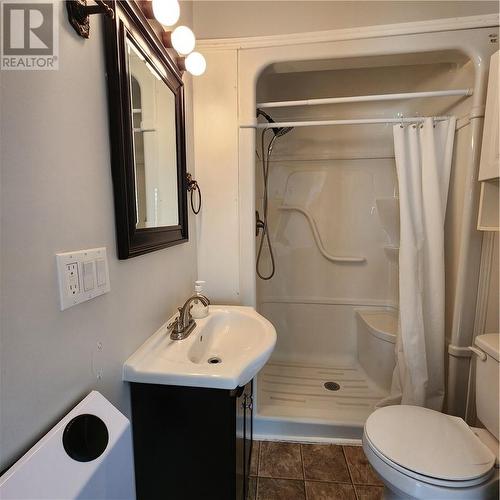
(423,161)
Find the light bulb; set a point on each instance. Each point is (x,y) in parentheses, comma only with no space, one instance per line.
(183,40)
(195,63)
(166,12)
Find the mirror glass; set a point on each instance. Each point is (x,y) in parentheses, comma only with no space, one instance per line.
(154,136)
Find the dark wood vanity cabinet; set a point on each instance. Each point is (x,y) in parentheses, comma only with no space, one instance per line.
(191,443)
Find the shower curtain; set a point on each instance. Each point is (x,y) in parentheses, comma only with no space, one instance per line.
(423,161)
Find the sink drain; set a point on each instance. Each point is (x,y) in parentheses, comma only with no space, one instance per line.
(215,360)
(331,386)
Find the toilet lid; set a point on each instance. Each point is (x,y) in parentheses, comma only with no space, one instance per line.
(428,442)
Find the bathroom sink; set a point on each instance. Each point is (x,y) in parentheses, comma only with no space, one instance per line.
(225,350)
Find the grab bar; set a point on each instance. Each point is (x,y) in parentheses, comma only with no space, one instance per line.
(317,237)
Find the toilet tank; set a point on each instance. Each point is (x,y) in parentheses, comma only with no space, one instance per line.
(487,374)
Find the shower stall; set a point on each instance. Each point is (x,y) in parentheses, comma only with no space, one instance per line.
(330,191)
(325,195)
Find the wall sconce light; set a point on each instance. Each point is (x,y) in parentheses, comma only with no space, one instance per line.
(194,63)
(182,39)
(166,12)
(79,12)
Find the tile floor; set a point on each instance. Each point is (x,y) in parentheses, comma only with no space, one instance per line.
(293,471)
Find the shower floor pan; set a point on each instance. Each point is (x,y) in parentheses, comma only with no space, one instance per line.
(294,403)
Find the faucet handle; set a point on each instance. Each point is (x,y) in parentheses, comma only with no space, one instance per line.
(173,324)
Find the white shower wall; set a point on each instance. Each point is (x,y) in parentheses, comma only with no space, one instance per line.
(311,300)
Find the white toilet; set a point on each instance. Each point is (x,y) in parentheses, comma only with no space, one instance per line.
(425,454)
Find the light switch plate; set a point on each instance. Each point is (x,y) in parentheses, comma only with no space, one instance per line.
(82,275)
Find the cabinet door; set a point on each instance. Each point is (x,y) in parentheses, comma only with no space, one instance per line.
(490,160)
(244,433)
(489,167)
(248,431)
(248,426)
(240,402)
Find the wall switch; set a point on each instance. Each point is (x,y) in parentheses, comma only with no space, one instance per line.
(82,275)
(88,276)
(101,272)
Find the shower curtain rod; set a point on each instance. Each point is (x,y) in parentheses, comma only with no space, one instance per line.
(362,121)
(365,98)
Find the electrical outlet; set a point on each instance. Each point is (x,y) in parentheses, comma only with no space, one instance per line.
(83,275)
(72,279)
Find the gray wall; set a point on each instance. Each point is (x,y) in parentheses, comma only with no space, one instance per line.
(227,19)
(56,195)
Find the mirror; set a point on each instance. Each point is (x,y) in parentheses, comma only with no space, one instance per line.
(155,155)
(146,114)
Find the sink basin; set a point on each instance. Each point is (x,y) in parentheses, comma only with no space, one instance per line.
(225,350)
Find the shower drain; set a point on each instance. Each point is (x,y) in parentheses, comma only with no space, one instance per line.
(331,386)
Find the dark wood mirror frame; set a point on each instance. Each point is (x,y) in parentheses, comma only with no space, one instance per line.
(130,23)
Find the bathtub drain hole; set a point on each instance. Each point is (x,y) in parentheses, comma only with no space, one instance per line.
(215,360)
(331,386)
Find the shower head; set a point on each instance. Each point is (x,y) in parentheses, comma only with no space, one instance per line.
(278,131)
(282,131)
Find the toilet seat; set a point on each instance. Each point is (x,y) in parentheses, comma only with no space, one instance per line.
(428,479)
(428,446)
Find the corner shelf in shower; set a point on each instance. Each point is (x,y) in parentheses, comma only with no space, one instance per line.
(317,237)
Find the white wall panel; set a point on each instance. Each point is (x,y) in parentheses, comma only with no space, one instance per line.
(216,150)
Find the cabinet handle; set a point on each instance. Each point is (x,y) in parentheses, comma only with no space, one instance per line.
(247,402)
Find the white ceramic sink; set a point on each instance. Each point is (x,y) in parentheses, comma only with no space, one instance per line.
(225,350)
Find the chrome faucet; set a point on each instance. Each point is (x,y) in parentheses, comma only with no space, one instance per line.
(184,324)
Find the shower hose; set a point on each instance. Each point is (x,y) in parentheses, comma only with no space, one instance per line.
(264,235)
